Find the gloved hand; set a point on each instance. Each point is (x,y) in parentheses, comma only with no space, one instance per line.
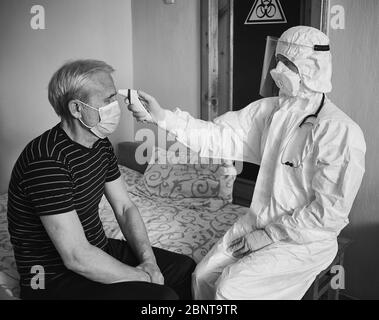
(249,243)
(152,106)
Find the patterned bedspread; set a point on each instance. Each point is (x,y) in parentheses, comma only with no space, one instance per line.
(190,226)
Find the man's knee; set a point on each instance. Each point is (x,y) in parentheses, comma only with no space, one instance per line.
(152,291)
(166,293)
(134,291)
(186,266)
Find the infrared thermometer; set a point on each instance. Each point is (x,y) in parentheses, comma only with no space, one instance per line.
(133,97)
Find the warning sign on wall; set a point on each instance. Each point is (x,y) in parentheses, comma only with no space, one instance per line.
(266,11)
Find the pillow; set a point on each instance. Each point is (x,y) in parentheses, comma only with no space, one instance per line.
(180,173)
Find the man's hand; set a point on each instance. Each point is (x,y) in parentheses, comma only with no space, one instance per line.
(249,243)
(153,271)
(151,105)
(143,275)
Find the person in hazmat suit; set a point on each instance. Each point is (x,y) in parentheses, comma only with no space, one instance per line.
(312,161)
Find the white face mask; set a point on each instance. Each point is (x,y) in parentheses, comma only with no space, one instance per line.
(287,80)
(109,119)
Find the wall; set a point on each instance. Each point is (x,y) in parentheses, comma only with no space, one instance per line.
(355,80)
(28,58)
(166,52)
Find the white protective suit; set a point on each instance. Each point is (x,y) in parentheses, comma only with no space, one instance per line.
(302,208)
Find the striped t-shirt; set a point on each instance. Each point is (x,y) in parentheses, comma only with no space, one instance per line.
(55,175)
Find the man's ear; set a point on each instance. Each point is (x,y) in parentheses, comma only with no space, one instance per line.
(74,107)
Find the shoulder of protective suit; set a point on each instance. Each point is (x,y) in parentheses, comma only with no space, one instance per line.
(255,114)
(331,113)
(265,105)
(259,108)
(262,109)
(270,101)
(334,127)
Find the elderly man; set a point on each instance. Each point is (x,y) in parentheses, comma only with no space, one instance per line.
(54,193)
(311,158)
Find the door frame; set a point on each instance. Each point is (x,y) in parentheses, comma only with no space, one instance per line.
(216,54)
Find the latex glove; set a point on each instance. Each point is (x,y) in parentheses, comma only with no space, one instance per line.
(153,271)
(249,243)
(152,106)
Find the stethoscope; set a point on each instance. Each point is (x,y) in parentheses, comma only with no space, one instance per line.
(305,120)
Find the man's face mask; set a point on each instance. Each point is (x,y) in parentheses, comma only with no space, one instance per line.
(287,80)
(109,119)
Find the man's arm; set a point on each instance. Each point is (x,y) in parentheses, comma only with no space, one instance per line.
(79,256)
(132,227)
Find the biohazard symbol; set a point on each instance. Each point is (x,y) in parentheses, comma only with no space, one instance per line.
(266,11)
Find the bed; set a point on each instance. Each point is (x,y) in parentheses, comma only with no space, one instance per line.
(187,224)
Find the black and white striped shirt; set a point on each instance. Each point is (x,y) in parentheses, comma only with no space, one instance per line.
(55,175)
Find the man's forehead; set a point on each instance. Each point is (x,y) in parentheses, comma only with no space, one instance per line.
(101,83)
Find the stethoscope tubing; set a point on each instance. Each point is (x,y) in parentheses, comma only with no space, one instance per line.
(314,115)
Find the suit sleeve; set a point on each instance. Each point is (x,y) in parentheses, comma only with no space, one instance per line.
(232,136)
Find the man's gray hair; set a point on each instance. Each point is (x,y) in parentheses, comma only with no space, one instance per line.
(68,82)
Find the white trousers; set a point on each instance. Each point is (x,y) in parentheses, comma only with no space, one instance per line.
(281,271)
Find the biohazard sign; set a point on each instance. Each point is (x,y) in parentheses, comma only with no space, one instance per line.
(266,11)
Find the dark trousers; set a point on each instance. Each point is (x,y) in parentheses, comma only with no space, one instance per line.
(177,270)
